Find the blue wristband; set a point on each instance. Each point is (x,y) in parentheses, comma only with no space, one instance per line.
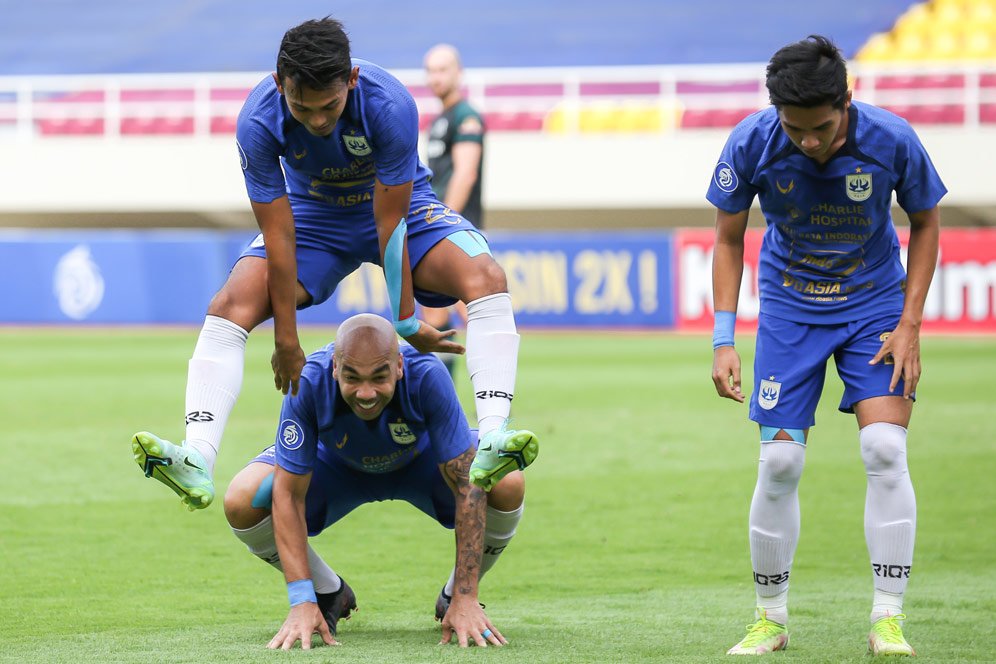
(722,330)
(301,591)
(406,327)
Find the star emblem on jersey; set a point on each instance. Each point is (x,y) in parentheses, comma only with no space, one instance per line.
(400,433)
(767,394)
(858,186)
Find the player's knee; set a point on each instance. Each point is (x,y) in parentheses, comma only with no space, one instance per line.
(883,448)
(509,493)
(780,466)
(487,279)
(239,509)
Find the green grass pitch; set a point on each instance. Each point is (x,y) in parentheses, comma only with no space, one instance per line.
(633,547)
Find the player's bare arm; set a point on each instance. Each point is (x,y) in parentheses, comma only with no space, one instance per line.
(465,617)
(276,221)
(466,157)
(904,342)
(291,533)
(727,272)
(390,205)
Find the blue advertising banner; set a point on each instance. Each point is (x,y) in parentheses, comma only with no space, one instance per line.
(169,276)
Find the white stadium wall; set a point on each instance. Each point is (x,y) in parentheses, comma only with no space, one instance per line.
(523,171)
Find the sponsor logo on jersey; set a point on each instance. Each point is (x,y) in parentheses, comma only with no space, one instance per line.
(291,435)
(767,393)
(784,189)
(400,433)
(301,155)
(342,443)
(725,177)
(357,145)
(858,185)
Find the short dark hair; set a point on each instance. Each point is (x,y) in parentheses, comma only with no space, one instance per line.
(807,73)
(315,54)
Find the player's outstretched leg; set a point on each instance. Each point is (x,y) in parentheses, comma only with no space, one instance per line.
(500,452)
(179,467)
(338,605)
(763,636)
(886,637)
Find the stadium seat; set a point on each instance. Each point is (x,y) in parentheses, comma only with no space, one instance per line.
(71,127)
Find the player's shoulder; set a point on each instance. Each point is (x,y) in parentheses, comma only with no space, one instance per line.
(877,123)
(317,370)
(466,119)
(424,371)
(378,83)
(262,108)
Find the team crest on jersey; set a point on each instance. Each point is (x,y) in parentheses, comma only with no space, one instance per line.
(291,434)
(858,186)
(400,432)
(767,393)
(725,177)
(357,145)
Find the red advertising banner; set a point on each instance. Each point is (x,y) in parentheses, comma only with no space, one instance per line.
(962,296)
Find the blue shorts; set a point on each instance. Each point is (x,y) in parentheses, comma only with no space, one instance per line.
(330,248)
(336,489)
(791,362)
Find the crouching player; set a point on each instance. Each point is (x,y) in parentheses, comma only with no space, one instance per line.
(373,422)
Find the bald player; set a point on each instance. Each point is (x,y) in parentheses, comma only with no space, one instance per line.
(369,423)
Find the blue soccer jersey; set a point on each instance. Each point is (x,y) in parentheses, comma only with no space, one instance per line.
(424,417)
(376,136)
(830,252)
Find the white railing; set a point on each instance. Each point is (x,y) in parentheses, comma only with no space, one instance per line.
(522,99)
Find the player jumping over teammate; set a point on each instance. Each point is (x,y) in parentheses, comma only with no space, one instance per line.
(328,146)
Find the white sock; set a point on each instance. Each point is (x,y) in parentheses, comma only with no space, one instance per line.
(214,378)
(498,532)
(261,543)
(890,515)
(774,524)
(492,354)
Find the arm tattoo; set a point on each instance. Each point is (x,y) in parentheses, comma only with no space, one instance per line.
(470,518)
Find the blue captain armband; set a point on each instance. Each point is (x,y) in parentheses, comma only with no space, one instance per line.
(722,330)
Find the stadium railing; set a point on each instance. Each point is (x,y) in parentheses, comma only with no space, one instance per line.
(557,100)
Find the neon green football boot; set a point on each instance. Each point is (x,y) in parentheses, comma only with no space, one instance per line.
(179,467)
(886,637)
(500,452)
(763,636)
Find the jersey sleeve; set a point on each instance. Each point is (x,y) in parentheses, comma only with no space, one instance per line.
(259,153)
(396,139)
(730,189)
(919,187)
(296,444)
(469,127)
(449,434)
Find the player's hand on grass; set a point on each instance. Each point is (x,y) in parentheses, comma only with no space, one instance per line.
(430,340)
(466,619)
(726,373)
(303,620)
(287,362)
(903,347)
